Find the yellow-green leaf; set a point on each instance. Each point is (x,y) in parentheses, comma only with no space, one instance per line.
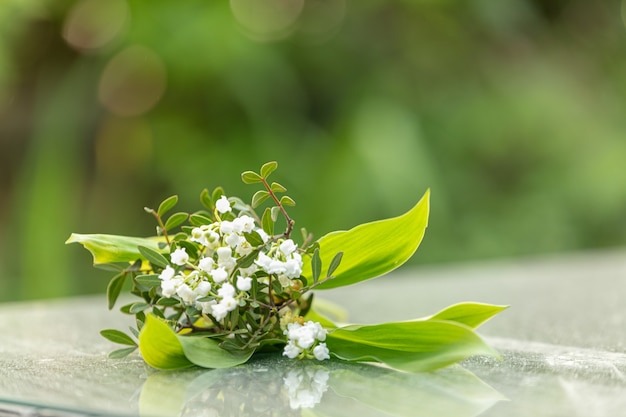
(373,249)
(111,248)
(159,345)
(469,314)
(413,346)
(205,352)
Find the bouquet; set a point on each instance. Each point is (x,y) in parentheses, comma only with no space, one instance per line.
(217,286)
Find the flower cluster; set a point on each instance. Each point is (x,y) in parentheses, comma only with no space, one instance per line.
(303,341)
(216,284)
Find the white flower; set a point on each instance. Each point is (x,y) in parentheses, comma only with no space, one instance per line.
(203,289)
(206,264)
(179,256)
(219,311)
(229,303)
(168,288)
(206,306)
(219,274)
(226,227)
(244,223)
(223,205)
(224,257)
(263,235)
(291,350)
(197,235)
(288,247)
(321,352)
(293,268)
(234,239)
(167,274)
(186,293)
(227,290)
(244,283)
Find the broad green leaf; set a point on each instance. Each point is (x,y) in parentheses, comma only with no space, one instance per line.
(268,168)
(153,256)
(111,248)
(469,314)
(373,249)
(259,197)
(414,346)
(175,219)
(117,336)
(122,353)
(316,316)
(167,205)
(250,177)
(206,352)
(159,346)
(287,201)
(114,288)
(277,188)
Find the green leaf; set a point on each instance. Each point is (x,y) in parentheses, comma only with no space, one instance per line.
(153,256)
(274,213)
(250,177)
(267,223)
(217,193)
(277,188)
(151,280)
(469,314)
(114,288)
(253,238)
(160,347)
(117,336)
(205,199)
(121,353)
(167,302)
(259,197)
(167,205)
(334,264)
(138,307)
(413,346)
(318,317)
(111,248)
(199,219)
(206,352)
(316,265)
(175,219)
(373,249)
(268,168)
(287,201)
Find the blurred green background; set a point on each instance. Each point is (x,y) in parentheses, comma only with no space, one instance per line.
(512,111)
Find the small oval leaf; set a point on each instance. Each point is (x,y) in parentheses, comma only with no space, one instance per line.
(268,168)
(334,264)
(316,265)
(267,223)
(287,201)
(205,199)
(118,337)
(175,220)
(167,205)
(259,197)
(250,177)
(277,188)
(121,353)
(151,280)
(154,257)
(114,288)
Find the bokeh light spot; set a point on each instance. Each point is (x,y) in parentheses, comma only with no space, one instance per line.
(268,19)
(92,24)
(321,19)
(133,81)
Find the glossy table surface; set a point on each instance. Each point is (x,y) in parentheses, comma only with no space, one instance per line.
(563,343)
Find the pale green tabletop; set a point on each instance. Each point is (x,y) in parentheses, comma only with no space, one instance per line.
(563,343)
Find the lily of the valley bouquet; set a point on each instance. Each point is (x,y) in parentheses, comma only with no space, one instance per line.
(219,285)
